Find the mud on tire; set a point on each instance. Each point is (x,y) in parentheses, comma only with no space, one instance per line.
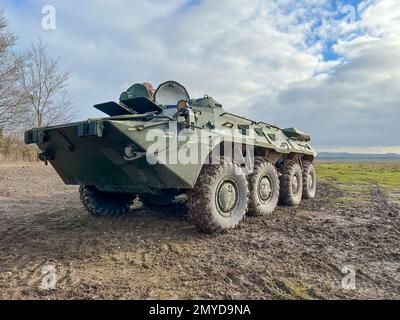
(309,180)
(263,187)
(218,201)
(291,184)
(101,203)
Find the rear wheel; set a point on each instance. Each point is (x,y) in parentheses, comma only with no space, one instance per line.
(218,201)
(264,188)
(291,184)
(309,180)
(104,203)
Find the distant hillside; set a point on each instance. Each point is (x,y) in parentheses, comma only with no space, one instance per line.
(356,156)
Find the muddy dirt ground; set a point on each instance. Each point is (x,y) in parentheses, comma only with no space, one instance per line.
(295,253)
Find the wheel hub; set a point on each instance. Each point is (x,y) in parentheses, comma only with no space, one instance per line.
(295,184)
(265,189)
(310,181)
(227,197)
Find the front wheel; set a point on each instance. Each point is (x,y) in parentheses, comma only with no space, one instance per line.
(101,203)
(218,201)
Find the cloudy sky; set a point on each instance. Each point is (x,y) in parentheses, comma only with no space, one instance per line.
(330,68)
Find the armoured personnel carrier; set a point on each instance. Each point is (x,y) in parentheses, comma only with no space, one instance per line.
(155,145)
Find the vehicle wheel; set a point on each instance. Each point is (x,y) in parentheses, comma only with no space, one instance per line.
(104,203)
(291,184)
(218,201)
(151,200)
(263,187)
(309,180)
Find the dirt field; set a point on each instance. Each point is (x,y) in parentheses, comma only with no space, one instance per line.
(295,253)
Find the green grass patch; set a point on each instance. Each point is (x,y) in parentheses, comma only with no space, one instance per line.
(386,174)
(348,200)
(359,189)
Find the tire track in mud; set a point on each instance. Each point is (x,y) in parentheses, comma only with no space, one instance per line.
(385,267)
(382,205)
(293,253)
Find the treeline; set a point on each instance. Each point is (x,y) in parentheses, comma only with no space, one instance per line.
(33,93)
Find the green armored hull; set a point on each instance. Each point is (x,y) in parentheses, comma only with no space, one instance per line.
(158,145)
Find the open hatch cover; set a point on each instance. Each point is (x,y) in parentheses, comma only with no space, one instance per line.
(138,99)
(129,106)
(170,93)
(113,109)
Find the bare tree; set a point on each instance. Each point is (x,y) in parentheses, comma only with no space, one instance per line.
(43,86)
(12,107)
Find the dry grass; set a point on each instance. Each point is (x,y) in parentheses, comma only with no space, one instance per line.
(14,149)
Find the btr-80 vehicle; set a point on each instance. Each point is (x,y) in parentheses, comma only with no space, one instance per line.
(157,145)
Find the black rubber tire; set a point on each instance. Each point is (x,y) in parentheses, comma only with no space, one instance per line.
(309,180)
(151,200)
(101,203)
(202,199)
(258,207)
(288,195)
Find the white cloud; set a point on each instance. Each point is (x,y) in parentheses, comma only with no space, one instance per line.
(264,59)
(356,104)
